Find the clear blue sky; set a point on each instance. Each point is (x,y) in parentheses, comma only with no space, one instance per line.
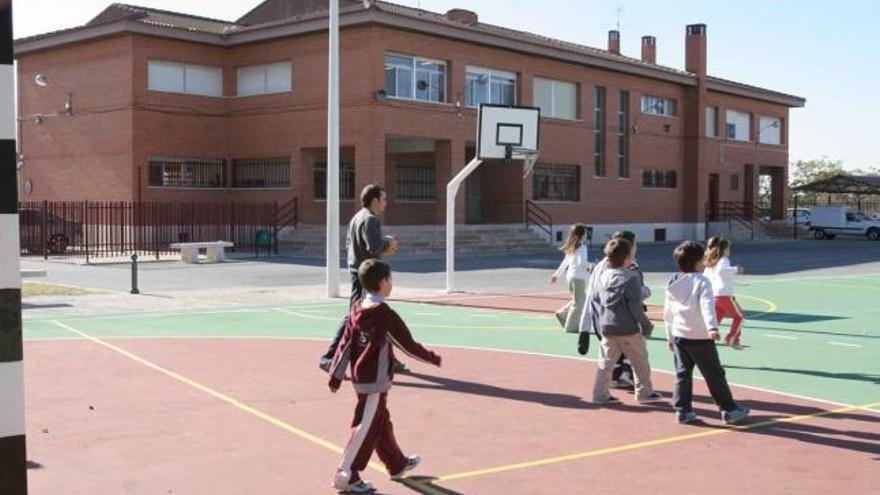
(827,52)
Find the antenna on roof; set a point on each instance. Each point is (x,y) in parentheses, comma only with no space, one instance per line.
(619,14)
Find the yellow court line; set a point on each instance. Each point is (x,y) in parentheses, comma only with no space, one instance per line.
(772,307)
(499,326)
(646,444)
(218,395)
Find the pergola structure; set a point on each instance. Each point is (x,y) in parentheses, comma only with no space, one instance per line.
(859,185)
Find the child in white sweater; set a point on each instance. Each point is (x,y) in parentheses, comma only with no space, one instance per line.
(720,273)
(576,266)
(691,332)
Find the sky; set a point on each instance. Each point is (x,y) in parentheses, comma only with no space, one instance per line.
(826,52)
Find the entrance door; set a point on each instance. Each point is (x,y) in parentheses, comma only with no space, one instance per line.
(473,197)
(714,192)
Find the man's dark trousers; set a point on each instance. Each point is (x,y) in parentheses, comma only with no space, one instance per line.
(357,293)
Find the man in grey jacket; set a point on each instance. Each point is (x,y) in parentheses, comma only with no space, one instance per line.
(365,241)
(620,320)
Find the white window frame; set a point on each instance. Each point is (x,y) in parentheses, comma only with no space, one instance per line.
(767,131)
(711,121)
(415,60)
(490,73)
(650,105)
(183,67)
(553,113)
(728,122)
(265,70)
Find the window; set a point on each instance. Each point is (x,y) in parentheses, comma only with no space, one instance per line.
(415,183)
(489,86)
(556,183)
(737,125)
(711,121)
(346,180)
(556,99)
(734,182)
(623,134)
(599,131)
(265,79)
(261,173)
(771,130)
(187,173)
(655,105)
(659,179)
(175,77)
(415,78)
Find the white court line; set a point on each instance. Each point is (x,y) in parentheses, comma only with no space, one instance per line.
(786,337)
(483,315)
(844,344)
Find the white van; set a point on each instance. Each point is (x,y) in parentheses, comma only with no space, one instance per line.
(827,222)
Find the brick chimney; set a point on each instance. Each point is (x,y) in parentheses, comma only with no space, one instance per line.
(695,49)
(614,41)
(649,49)
(463,16)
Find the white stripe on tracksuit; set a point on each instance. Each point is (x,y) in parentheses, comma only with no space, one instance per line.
(360,434)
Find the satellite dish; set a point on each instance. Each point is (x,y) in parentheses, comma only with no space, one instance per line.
(41,81)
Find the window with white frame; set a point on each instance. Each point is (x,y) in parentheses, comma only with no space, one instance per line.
(556,99)
(176,77)
(187,173)
(711,121)
(489,86)
(599,131)
(415,78)
(261,173)
(264,79)
(771,130)
(737,125)
(655,105)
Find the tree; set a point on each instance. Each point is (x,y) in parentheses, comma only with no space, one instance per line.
(806,171)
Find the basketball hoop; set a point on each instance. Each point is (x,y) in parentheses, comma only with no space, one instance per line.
(527,155)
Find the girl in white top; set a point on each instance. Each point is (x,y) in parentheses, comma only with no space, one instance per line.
(720,273)
(576,266)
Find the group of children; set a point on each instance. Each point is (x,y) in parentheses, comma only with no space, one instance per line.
(608,299)
(613,307)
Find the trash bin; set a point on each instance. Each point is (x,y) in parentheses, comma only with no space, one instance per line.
(263,240)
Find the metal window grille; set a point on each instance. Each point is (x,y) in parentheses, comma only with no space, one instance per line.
(734,182)
(180,172)
(261,173)
(556,183)
(415,182)
(346,180)
(659,179)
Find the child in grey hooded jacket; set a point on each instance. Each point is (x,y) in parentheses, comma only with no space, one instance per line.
(621,321)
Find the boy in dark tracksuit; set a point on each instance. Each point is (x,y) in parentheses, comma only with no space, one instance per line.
(691,332)
(366,348)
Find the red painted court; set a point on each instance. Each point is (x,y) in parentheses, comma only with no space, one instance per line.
(236,416)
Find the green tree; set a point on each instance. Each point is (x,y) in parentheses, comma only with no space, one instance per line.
(805,171)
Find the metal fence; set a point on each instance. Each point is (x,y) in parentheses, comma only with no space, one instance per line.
(107,229)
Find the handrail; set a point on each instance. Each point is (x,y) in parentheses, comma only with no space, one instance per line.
(541,218)
(745,214)
(286,215)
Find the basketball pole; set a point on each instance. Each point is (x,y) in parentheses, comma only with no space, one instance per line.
(333,155)
(451,192)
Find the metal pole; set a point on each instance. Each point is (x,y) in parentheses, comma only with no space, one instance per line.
(333,155)
(451,191)
(134,274)
(795,218)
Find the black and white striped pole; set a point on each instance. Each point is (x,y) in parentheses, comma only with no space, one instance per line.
(13,469)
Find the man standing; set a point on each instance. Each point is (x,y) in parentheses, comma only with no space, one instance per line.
(365,241)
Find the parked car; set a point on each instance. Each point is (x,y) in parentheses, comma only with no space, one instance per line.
(60,233)
(804,216)
(827,222)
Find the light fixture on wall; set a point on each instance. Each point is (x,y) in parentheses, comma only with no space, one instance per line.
(42,81)
(381,95)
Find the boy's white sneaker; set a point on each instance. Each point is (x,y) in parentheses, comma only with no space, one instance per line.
(411,463)
(342,483)
(735,416)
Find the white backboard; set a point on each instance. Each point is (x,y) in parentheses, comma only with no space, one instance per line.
(500,127)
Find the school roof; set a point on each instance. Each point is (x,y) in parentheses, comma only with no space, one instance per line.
(279,18)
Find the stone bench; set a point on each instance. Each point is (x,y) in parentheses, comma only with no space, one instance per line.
(189,251)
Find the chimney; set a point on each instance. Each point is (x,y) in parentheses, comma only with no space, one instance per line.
(614,41)
(649,49)
(695,49)
(463,16)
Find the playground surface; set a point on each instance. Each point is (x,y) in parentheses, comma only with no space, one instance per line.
(229,401)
